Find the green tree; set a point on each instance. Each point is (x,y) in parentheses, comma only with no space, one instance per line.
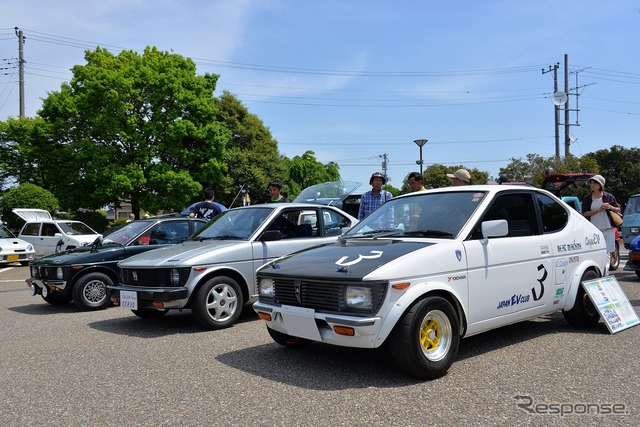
(134,127)
(252,154)
(306,170)
(25,196)
(436,175)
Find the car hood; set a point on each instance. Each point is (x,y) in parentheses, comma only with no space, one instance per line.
(192,252)
(80,255)
(352,260)
(85,239)
(327,193)
(15,243)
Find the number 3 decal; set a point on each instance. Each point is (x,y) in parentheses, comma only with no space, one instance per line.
(541,280)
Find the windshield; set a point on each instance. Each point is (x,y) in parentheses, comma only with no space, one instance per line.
(75,228)
(126,233)
(633,206)
(425,214)
(234,224)
(5,233)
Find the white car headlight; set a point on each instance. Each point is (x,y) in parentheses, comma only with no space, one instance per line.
(266,289)
(359,297)
(29,248)
(59,273)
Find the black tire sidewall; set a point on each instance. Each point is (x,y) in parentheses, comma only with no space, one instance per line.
(405,340)
(199,309)
(79,287)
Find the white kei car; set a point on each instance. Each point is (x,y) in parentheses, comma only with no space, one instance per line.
(48,235)
(428,268)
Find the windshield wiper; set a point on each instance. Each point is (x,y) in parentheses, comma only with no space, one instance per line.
(373,233)
(426,233)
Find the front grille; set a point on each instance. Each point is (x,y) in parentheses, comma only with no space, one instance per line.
(44,273)
(323,296)
(154,278)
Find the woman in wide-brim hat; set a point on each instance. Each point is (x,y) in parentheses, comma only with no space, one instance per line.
(595,206)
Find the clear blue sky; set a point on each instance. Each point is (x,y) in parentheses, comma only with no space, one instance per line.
(353,80)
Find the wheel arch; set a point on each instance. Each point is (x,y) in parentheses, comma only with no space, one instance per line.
(414,295)
(234,274)
(570,298)
(94,269)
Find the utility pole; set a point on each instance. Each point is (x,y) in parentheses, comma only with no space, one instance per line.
(567,140)
(384,166)
(556,108)
(21,67)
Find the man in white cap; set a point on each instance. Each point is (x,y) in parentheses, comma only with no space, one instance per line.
(460,177)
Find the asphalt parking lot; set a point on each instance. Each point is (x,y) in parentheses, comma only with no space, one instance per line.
(61,366)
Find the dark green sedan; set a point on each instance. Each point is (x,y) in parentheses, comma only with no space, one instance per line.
(82,274)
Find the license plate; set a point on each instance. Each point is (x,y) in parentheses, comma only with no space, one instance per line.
(129,300)
(300,322)
(13,258)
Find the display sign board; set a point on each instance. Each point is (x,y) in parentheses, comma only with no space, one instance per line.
(611,302)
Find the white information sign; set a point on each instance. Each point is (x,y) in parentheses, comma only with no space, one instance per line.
(611,302)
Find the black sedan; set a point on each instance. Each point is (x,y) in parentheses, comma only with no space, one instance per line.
(82,274)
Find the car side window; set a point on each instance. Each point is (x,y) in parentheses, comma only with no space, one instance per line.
(517,210)
(295,223)
(31,229)
(554,216)
(334,223)
(49,230)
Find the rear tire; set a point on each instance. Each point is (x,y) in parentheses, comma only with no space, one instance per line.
(218,303)
(425,341)
(583,314)
(288,340)
(614,259)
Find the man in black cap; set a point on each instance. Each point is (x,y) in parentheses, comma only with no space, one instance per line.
(374,198)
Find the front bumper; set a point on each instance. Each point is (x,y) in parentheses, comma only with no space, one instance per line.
(309,324)
(147,296)
(37,285)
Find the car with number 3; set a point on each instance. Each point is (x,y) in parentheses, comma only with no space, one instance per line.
(429,268)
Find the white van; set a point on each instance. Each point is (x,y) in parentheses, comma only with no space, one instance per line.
(49,236)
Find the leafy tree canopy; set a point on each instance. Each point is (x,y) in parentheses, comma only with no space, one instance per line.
(26,196)
(140,128)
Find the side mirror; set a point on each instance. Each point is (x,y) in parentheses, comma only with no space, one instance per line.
(495,228)
(271,235)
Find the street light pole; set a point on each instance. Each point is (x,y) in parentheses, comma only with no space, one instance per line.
(420,143)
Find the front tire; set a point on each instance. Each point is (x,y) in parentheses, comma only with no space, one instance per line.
(288,340)
(583,314)
(90,292)
(425,341)
(218,303)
